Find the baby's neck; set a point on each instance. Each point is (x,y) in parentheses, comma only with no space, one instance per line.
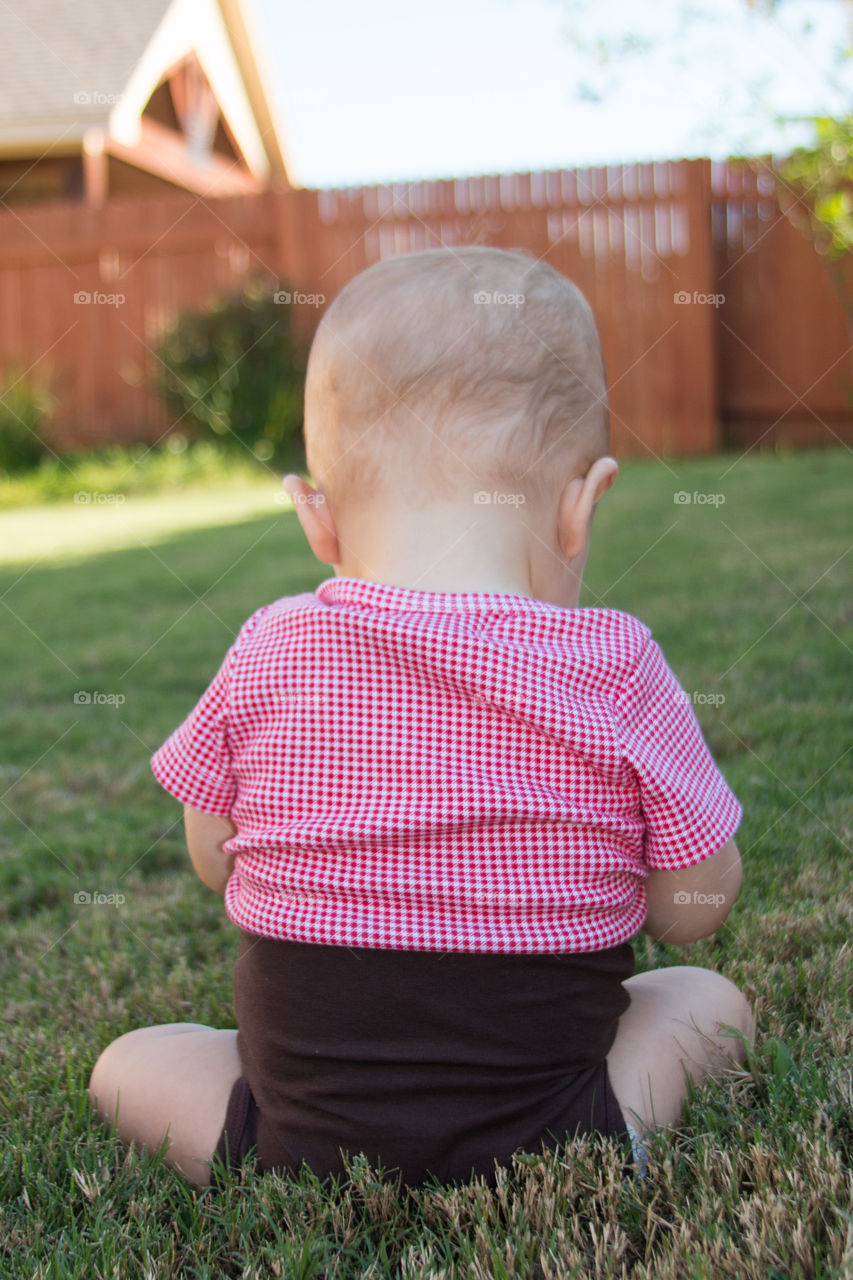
(453,550)
(438,578)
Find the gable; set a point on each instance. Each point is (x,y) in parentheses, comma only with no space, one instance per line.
(194,34)
(68,69)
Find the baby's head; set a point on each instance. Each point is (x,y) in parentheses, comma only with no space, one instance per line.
(450,372)
(443,380)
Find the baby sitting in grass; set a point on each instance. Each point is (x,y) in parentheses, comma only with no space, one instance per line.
(438,796)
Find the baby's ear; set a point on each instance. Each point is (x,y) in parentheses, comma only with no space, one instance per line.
(603,473)
(314,515)
(579,501)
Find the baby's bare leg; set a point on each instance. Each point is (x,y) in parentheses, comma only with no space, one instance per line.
(673,1026)
(175,1077)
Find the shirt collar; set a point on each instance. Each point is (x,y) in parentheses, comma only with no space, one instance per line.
(359,591)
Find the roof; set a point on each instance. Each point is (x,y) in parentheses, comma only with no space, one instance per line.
(65,67)
(60,52)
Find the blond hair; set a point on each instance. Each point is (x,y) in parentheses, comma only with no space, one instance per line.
(451,369)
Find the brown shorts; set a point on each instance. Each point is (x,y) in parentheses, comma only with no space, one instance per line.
(432,1064)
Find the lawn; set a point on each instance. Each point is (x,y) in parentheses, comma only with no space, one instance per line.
(750,599)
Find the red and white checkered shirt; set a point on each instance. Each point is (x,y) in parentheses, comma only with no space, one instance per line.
(437,771)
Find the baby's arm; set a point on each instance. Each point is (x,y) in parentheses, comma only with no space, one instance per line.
(206,834)
(693,903)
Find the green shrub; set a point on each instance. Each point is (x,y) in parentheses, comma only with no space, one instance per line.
(236,371)
(25,404)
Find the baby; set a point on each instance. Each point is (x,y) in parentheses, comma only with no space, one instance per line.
(438,796)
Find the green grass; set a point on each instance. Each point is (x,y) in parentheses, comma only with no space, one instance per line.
(171,465)
(750,601)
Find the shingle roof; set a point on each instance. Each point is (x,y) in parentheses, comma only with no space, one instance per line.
(65,63)
(53,52)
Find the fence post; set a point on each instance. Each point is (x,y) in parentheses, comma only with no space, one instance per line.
(704,435)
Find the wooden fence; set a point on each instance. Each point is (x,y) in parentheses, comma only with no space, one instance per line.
(84,294)
(783,339)
(719,321)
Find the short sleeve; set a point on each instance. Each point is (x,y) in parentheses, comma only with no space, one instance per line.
(194,763)
(687,806)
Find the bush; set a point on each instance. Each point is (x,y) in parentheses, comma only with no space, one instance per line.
(236,371)
(24,406)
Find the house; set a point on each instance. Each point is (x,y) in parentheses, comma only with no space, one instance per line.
(100,98)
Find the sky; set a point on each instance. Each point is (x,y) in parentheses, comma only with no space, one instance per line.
(385,90)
